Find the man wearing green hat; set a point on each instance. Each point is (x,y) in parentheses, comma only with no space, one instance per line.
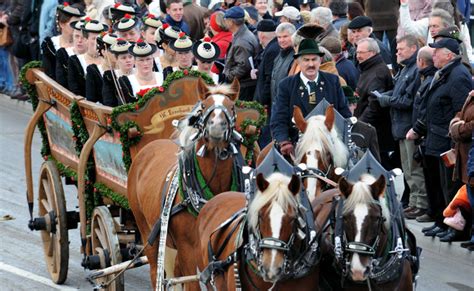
(305,90)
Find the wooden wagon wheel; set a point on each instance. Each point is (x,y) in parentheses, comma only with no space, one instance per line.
(105,244)
(52,206)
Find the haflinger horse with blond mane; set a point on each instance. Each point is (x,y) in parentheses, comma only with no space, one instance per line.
(259,247)
(368,251)
(206,162)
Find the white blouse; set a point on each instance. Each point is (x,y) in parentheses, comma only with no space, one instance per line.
(136,87)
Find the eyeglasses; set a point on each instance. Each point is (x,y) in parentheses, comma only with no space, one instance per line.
(362,52)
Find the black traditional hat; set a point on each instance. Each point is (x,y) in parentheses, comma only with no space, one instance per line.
(167,33)
(120,47)
(77,25)
(119,10)
(182,44)
(70,10)
(310,30)
(205,50)
(359,22)
(449,32)
(308,46)
(94,26)
(142,49)
(126,23)
(107,38)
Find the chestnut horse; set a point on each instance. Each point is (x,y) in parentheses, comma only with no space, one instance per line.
(206,143)
(263,252)
(363,226)
(319,148)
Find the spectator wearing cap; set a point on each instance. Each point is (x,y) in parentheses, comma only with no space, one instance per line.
(290,14)
(94,72)
(123,63)
(384,15)
(165,35)
(454,33)
(206,52)
(193,15)
(322,16)
(307,5)
(174,15)
(284,59)
(143,76)
(128,28)
(77,64)
(183,47)
(400,101)
(265,61)
(305,90)
(345,68)
(339,13)
(374,76)
(65,14)
(445,97)
(244,46)
(361,27)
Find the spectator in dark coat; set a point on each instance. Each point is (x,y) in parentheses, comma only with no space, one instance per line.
(305,90)
(375,76)
(268,40)
(283,61)
(174,15)
(244,46)
(445,97)
(345,68)
(193,15)
(400,101)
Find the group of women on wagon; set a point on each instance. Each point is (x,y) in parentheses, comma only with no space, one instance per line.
(111,63)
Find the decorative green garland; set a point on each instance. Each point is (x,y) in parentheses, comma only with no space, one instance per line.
(115,197)
(249,141)
(128,142)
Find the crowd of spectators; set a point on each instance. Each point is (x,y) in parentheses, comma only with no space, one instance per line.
(402,67)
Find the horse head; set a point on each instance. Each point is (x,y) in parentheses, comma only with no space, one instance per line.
(273,223)
(320,147)
(366,221)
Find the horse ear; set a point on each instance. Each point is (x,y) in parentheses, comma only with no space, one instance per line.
(262,183)
(345,187)
(202,88)
(235,88)
(301,123)
(294,185)
(329,121)
(378,187)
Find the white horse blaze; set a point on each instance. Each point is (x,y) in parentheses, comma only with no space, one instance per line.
(219,116)
(312,162)
(360,212)
(276,219)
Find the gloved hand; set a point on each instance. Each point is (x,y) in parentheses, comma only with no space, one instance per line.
(286,148)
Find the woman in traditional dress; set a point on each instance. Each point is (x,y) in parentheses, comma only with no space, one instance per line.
(206,52)
(165,35)
(128,28)
(79,46)
(65,15)
(183,47)
(95,71)
(150,24)
(77,64)
(143,77)
(124,63)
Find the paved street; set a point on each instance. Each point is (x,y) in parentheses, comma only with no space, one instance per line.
(22,264)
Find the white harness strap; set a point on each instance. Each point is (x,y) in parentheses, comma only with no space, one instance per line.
(165,216)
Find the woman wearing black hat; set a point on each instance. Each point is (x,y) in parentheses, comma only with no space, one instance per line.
(143,77)
(128,28)
(165,35)
(79,46)
(206,52)
(65,15)
(95,71)
(77,64)
(123,66)
(183,47)
(151,24)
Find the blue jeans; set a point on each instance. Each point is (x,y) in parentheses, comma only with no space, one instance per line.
(7,84)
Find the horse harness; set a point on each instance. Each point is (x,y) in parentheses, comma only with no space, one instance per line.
(384,269)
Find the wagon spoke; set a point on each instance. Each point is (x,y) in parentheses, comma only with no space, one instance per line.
(101,237)
(46,205)
(50,246)
(55,255)
(103,228)
(47,190)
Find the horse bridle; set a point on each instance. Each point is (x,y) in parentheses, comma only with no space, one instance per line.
(342,247)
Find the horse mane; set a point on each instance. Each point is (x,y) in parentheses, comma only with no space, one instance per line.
(277,192)
(185,131)
(361,194)
(317,137)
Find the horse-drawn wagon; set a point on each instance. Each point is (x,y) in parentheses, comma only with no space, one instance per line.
(93,146)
